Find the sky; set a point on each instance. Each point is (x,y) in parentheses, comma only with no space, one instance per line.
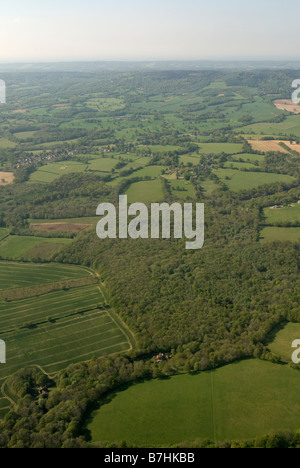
(58,30)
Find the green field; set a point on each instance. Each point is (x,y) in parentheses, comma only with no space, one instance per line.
(102,164)
(47,174)
(272,234)
(235,402)
(3,233)
(248,157)
(290,127)
(16,247)
(5,143)
(282,344)
(182,190)
(286,214)
(218,148)
(20,275)
(145,192)
(240,180)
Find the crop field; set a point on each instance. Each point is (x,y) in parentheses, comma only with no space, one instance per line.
(21,275)
(235,402)
(56,329)
(282,343)
(6,178)
(267,145)
(59,227)
(287,105)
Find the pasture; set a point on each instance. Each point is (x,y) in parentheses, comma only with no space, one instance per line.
(145,192)
(286,214)
(239,180)
(282,343)
(236,402)
(280,234)
(16,247)
(289,127)
(218,148)
(52,171)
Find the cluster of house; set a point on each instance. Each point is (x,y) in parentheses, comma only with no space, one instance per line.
(41,157)
(275,207)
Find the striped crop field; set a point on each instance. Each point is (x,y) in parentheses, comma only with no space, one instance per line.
(21,275)
(58,328)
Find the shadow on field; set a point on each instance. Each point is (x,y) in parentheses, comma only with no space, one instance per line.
(272,335)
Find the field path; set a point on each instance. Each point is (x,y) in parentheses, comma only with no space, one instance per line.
(12,402)
(213,406)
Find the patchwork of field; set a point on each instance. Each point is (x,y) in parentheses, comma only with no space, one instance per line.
(288,105)
(58,328)
(236,402)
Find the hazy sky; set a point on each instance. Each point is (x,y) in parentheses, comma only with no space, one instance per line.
(148,29)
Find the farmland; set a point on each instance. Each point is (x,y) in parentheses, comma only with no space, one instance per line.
(239,401)
(56,328)
(85,320)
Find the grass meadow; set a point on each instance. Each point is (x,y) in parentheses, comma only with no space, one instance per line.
(236,402)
